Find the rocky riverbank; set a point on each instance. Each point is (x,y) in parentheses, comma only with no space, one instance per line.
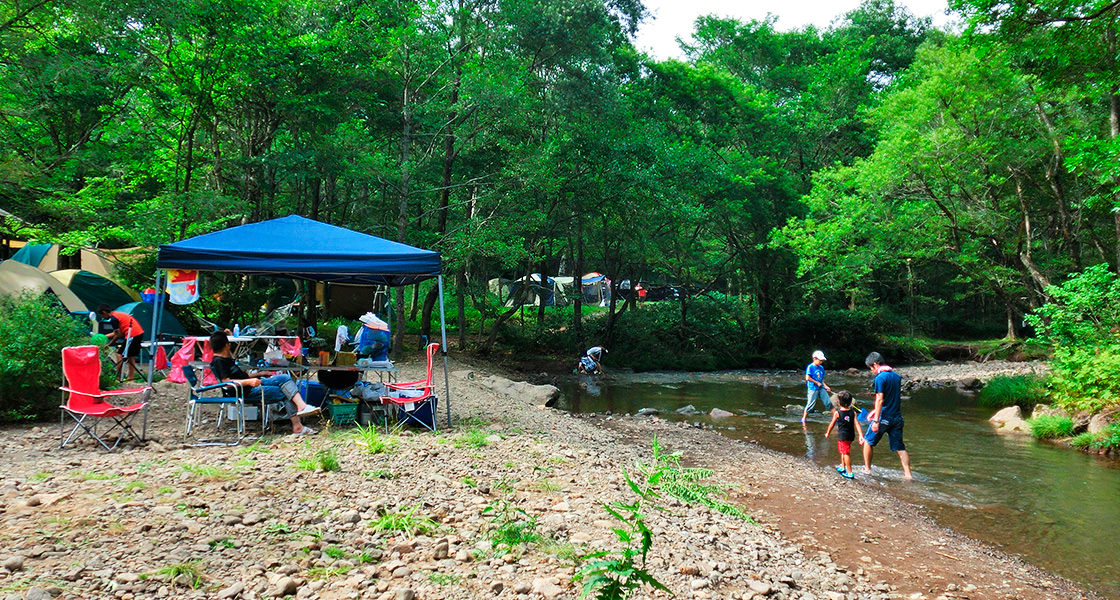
(439,516)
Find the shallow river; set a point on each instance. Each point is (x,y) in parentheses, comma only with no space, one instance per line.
(1056,508)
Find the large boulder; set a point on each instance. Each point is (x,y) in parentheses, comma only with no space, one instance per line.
(719,413)
(1100,421)
(1010,420)
(1045,410)
(527,392)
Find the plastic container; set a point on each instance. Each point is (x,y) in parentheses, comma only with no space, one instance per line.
(313,393)
(344,413)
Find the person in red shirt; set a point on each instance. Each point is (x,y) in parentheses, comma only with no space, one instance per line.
(126,335)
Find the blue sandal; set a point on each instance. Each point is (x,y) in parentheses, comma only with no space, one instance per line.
(847,475)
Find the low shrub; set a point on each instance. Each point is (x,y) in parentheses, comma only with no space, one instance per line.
(1108,439)
(1046,427)
(34,328)
(1084,378)
(1010,390)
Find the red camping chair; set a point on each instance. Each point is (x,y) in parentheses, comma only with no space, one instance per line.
(87,404)
(415,401)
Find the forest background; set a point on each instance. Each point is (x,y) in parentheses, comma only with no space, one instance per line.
(865,186)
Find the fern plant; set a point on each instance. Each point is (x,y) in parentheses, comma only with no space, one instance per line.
(686,483)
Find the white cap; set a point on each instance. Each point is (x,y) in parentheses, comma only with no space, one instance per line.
(819,355)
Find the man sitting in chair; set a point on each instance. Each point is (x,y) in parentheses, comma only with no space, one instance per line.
(276,388)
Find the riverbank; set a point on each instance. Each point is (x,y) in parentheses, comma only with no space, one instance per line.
(144,522)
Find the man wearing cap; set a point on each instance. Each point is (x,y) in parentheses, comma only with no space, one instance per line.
(886,417)
(814,381)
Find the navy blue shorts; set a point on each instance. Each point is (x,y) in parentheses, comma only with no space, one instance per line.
(893,430)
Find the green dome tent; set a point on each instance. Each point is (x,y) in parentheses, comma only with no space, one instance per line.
(95,290)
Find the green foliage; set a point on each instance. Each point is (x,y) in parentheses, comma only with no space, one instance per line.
(617,574)
(1084,311)
(325,460)
(406,522)
(373,441)
(174,573)
(34,329)
(1083,378)
(511,528)
(1107,439)
(1046,427)
(1009,390)
(208,472)
(473,438)
(667,476)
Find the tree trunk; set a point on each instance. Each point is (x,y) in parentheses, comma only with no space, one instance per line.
(577,313)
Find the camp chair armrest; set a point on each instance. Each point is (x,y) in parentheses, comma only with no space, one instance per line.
(105,393)
(217,386)
(408,385)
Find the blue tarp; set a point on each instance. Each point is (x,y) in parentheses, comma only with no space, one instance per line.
(302,248)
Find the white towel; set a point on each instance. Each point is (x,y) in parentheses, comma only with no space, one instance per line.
(341,338)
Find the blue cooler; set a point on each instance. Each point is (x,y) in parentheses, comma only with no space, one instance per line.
(313,393)
(424,412)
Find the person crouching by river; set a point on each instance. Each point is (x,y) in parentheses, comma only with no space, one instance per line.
(591,363)
(275,388)
(886,417)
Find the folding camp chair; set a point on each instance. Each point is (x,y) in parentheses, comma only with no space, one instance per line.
(232,397)
(414,401)
(87,404)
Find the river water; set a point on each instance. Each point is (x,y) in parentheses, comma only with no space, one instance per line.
(1055,507)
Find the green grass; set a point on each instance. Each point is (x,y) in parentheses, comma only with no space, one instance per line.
(548,486)
(380,474)
(325,460)
(96,476)
(207,472)
(373,441)
(1046,427)
(405,522)
(1010,390)
(173,571)
(469,482)
(39,476)
(510,527)
(444,578)
(165,490)
(334,552)
(277,528)
(257,446)
(224,543)
(328,572)
(134,485)
(1107,439)
(565,551)
(474,438)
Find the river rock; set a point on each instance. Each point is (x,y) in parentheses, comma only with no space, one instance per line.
(232,591)
(649,412)
(1100,421)
(1045,410)
(969,384)
(688,410)
(13,563)
(719,413)
(1010,419)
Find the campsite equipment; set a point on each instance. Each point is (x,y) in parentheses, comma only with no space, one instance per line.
(87,403)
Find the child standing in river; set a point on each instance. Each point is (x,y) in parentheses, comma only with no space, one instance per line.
(847,426)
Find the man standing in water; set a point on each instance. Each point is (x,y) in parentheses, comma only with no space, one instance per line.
(886,417)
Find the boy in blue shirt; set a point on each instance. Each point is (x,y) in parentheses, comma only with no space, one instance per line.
(814,381)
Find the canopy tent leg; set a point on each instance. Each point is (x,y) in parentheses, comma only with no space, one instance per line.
(443,349)
(153,347)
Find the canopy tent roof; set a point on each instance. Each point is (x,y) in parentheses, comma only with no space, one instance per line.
(302,248)
(16,277)
(95,290)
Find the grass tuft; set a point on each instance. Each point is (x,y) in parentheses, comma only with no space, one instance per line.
(1010,390)
(373,441)
(1045,427)
(405,522)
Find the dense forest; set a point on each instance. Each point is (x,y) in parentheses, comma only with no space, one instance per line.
(877,176)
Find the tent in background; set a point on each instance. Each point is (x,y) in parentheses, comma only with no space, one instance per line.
(40,256)
(596,289)
(16,277)
(95,290)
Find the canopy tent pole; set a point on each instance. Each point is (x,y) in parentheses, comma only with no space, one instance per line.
(443,349)
(153,347)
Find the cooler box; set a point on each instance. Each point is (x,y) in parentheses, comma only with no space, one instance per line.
(423,412)
(252,413)
(313,393)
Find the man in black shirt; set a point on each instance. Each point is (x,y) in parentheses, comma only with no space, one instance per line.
(275,388)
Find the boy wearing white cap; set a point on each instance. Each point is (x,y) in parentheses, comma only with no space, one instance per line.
(814,381)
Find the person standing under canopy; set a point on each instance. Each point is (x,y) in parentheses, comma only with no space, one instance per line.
(125,333)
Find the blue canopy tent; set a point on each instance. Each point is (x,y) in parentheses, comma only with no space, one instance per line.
(303,248)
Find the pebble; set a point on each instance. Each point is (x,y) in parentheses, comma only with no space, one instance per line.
(404,594)
(13,563)
(232,591)
(285,586)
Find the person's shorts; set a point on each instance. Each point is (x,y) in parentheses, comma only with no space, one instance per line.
(893,431)
(818,394)
(844,446)
(133,346)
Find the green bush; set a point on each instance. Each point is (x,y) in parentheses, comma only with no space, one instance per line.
(1047,427)
(1108,439)
(1085,378)
(33,330)
(1009,390)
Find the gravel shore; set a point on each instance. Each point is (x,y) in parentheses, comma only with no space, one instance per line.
(168,520)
